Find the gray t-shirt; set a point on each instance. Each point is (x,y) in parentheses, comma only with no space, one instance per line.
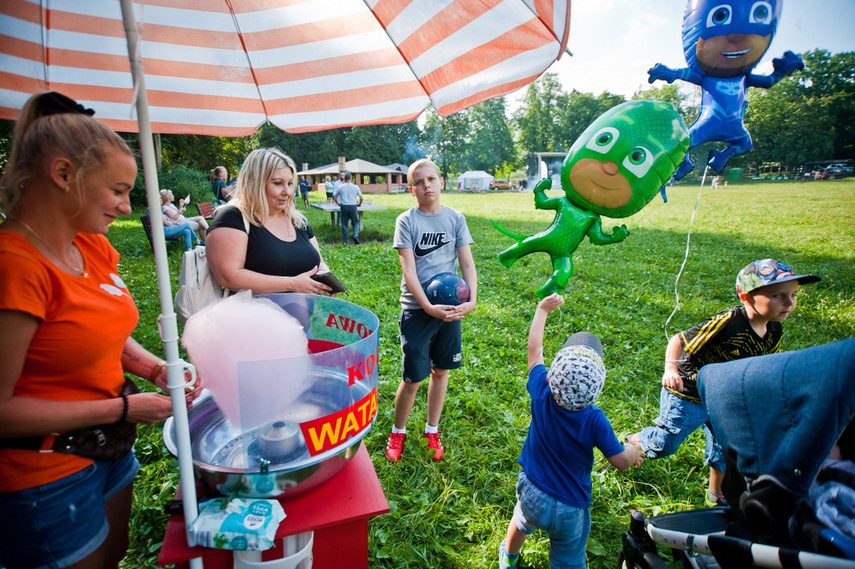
(434,239)
(348,193)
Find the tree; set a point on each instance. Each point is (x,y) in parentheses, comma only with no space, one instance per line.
(832,78)
(381,144)
(581,110)
(203,153)
(809,115)
(311,148)
(537,119)
(673,95)
(6,129)
(787,129)
(492,144)
(444,140)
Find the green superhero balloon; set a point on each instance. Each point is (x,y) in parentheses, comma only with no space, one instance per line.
(614,169)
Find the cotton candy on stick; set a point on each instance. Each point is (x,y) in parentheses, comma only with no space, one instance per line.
(251,355)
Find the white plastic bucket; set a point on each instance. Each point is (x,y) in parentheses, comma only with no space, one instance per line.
(296,549)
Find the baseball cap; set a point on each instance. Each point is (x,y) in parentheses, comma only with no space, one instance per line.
(577,374)
(768,272)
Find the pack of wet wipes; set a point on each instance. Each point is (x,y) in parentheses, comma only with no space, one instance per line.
(238,524)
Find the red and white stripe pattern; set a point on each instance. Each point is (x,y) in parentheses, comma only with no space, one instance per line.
(224,67)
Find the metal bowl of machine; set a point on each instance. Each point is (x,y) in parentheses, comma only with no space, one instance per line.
(312,439)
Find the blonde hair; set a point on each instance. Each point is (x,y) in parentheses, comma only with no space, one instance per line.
(419,163)
(164,193)
(216,171)
(40,137)
(250,195)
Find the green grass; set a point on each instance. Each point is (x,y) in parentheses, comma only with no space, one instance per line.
(455,513)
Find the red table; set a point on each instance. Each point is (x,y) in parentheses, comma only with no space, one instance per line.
(337,512)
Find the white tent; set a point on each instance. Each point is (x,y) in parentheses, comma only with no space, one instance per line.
(474,181)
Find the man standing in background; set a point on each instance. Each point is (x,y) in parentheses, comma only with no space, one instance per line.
(348,196)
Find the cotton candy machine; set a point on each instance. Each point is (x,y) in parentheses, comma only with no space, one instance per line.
(313,438)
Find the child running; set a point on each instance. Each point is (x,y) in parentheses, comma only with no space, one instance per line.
(768,291)
(430,239)
(554,487)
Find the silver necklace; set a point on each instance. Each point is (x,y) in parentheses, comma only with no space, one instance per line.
(82,271)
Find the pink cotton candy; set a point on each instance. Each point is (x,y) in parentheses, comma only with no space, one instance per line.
(251,355)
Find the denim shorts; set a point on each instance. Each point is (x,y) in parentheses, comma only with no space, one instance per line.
(568,527)
(678,418)
(428,342)
(62,522)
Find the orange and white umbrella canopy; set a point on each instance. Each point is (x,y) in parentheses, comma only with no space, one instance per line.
(224,67)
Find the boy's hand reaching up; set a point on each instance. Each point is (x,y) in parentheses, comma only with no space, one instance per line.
(551,302)
(538,324)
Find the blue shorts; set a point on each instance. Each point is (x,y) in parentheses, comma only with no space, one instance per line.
(62,522)
(678,418)
(426,343)
(568,527)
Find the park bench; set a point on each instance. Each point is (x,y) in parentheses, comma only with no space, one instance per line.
(206,209)
(146,223)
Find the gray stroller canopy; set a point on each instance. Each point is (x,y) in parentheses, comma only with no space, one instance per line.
(781,414)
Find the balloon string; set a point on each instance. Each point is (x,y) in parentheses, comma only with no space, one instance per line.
(686,257)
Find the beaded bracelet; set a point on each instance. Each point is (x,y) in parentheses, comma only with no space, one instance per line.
(156,370)
(125,408)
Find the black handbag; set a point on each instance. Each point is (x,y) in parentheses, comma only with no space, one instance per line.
(100,442)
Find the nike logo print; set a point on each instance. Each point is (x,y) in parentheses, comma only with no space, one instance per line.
(422,251)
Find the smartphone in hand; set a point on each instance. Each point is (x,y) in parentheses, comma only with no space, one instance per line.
(331,281)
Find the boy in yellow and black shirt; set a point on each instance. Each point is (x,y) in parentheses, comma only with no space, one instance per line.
(768,291)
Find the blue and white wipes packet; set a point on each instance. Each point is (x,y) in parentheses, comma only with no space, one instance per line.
(238,524)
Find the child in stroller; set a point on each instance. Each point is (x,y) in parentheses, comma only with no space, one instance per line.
(778,417)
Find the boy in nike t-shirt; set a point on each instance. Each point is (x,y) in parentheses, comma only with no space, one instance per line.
(430,239)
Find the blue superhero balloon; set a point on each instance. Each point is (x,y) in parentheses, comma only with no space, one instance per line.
(722,41)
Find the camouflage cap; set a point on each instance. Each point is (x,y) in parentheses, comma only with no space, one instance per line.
(768,272)
(577,374)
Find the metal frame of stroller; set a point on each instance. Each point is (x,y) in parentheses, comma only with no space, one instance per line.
(702,545)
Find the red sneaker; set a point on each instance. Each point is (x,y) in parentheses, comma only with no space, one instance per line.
(394,446)
(433,443)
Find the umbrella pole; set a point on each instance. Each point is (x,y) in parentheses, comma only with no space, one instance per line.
(167,321)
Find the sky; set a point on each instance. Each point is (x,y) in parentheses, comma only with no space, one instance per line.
(615,42)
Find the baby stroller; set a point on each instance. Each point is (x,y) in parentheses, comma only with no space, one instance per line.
(778,417)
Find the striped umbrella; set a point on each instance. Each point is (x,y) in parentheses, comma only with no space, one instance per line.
(224,67)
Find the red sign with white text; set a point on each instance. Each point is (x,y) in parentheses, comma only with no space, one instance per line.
(328,432)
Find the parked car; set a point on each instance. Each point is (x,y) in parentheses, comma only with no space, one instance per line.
(502,186)
(838,171)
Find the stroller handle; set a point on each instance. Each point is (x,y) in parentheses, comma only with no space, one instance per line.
(767,556)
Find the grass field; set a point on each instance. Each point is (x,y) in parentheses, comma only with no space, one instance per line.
(455,513)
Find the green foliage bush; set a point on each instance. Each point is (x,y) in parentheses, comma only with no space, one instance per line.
(181,180)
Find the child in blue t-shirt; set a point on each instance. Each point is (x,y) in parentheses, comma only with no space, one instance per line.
(554,487)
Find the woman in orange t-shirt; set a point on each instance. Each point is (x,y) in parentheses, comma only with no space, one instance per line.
(66,320)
